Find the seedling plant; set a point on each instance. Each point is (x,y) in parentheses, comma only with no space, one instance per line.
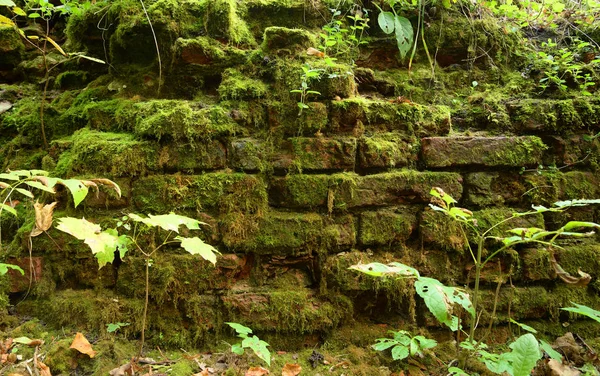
(105,243)
(258,346)
(441,299)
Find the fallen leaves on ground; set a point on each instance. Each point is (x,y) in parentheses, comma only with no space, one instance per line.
(291,369)
(44,369)
(81,344)
(256,371)
(559,369)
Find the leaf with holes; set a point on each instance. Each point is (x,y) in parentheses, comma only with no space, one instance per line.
(404,35)
(440,300)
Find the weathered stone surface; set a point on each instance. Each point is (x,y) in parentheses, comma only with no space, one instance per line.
(403,187)
(357,114)
(311,191)
(388,150)
(202,156)
(560,116)
(285,118)
(286,310)
(284,41)
(11,47)
(273,232)
(482,151)
(573,151)
(246,154)
(446,233)
(340,233)
(32,266)
(493,188)
(318,153)
(387,226)
(545,189)
(223,192)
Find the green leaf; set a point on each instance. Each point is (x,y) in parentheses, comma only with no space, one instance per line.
(8,208)
(24,192)
(23,340)
(584,310)
(113,327)
(168,222)
(384,344)
(7,3)
(524,326)
(239,328)
(525,354)
(426,343)
(386,22)
(440,299)
(578,224)
(399,352)
(10,176)
(404,35)
(77,188)
(394,269)
(79,228)
(196,246)
(34,15)
(4,268)
(455,371)
(550,351)
(40,186)
(237,349)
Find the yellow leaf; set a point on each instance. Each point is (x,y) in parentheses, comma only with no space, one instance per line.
(6,21)
(57,46)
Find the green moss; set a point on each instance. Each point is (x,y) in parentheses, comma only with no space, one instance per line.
(387,227)
(285,119)
(118,154)
(71,79)
(283,41)
(272,233)
(387,150)
(298,311)
(223,20)
(407,119)
(561,116)
(311,191)
(223,192)
(181,121)
(235,85)
(11,47)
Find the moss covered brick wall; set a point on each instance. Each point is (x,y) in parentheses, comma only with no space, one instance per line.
(292,200)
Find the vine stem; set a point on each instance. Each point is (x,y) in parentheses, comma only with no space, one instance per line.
(155,44)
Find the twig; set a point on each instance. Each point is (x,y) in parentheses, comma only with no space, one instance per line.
(156,44)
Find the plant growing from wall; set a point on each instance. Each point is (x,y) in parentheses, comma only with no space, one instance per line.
(340,39)
(258,346)
(45,10)
(441,299)
(308,74)
(105,243)
(20,188)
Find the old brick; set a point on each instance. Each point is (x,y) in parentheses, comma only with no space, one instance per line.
(387,226)
(482,151)
(317,153)
(402,187)
(388,150)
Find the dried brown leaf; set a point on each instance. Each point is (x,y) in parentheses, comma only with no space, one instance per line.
(124,370)
(4,185)
(203,373)
(256,371)
(583,280)
(44,369)
(81,344)
(314,52)
(43,217)
(559,369)
(109,183)
(291,369)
